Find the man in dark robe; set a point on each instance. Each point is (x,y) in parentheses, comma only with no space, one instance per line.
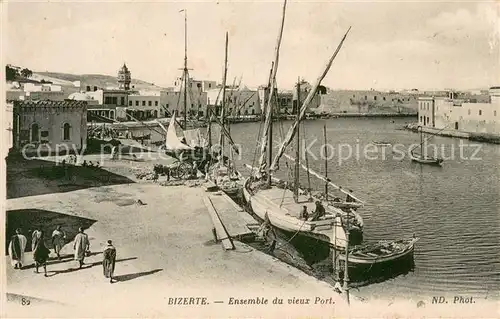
(41,254)
(108,261)
(17,246)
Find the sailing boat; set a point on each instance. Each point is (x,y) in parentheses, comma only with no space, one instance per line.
(267,195)
(423,158)
(223,173)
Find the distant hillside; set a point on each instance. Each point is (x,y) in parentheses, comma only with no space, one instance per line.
(99,80)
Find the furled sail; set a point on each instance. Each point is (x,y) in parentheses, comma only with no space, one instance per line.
(291,132)
(172,140)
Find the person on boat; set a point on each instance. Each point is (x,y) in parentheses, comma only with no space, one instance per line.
(318,212)
(304,214)
(16,249)
(349,198)
(41,254)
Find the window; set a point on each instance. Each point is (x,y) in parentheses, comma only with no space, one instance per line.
(480,112)
(129,103)
(253,112)
(420,119)
(192,105)
(136,103)
(143,103)
(468,112)
(149,103)
(198,85)
(428,120)
(366,97)
(166,106)
(494,113)
(114,100)
(383,98)
(209,85)
(122,100)
(156,103)
(374,98)
(35,133)
(66,132)
(107,100)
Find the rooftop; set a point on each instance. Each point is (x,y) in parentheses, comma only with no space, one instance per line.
(50,103)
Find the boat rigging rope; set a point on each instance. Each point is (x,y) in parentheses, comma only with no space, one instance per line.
(307,164)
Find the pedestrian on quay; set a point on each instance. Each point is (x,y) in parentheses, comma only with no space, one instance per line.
(81,246)
(35,237)
(41,254)
(109,260)
(16,249)
(58,241)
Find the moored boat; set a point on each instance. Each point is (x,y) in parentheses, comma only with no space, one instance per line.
(380,252)
(423,158)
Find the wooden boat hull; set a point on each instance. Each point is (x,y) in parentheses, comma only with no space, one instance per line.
(322,230)
(358,260)
(429,161)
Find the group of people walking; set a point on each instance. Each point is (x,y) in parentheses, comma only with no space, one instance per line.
(41,253)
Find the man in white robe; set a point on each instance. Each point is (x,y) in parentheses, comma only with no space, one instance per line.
(81,246)
(17,246)
(58,238)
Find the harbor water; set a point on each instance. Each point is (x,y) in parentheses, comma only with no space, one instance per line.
(453,209)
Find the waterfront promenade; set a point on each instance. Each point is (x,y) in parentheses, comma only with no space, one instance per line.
(165,250)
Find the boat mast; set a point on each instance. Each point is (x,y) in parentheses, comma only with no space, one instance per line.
(267,135)
(297,156)
(326,163)
(185,74)
(223,103)
(291,132)
(346,270)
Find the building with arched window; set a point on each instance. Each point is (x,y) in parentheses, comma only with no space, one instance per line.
(49,126)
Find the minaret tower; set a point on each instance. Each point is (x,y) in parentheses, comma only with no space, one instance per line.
(124,78)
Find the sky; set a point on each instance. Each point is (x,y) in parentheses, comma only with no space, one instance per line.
(392,45)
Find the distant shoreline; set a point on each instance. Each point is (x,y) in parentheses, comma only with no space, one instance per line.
(133,124)
(478,137)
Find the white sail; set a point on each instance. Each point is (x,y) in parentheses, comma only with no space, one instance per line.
(291,132)
(172,141)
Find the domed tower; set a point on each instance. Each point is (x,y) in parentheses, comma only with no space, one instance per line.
(124,78)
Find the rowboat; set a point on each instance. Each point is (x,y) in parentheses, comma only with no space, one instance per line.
(419,158)
(380,253)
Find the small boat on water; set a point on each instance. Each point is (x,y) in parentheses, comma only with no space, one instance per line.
(423,158)
(419,158)
(379,253)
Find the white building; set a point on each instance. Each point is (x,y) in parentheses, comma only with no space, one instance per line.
(143,107)
(239,101)
(461,114)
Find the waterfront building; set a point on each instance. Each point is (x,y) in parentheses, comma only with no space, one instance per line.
(368,101)
(49,126)
(456,112)
(174,100)
(144,106)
